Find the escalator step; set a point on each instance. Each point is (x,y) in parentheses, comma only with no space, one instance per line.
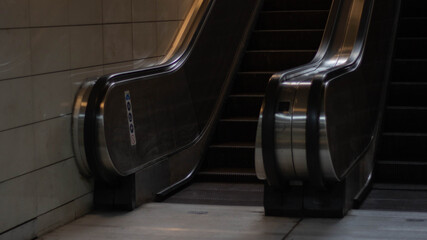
(277,20)
(413,27)
(251,82)
(275,60)
(227,175)
(285,40)
(413,48)
(243,106)
(235,194)
(409,70)
(413,95)
(406,119)
(229,157)
(236,145)
(401,172)
(410,197)
(236,130)
(403,147)
(297,4)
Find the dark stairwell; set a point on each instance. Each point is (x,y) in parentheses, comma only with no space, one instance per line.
(401,167)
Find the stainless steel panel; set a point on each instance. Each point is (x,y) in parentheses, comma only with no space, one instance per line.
(79,111)
(346,127)
(299,119)
(283,131)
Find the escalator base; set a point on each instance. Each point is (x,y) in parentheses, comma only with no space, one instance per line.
(397,197)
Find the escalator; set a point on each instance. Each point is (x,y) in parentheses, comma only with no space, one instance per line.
(401,166)
(287,34)
(201,129)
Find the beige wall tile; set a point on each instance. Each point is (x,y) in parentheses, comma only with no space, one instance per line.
(50,49)
(144,10)
(116,11)
(15,53)
(52,141)
(64,214)
(83,205)
(77,77)
(144,40)
(165,35)
(51,95)
(86,46)
(14,13)
(16,102)
(48,13)
(58,184)
(39,192)
(118,67)
(131,65)
(32,147)
(18,201)
(17,152)
(85,12)
(24,231)
(117,42)
(144,63)
(167,9)
(183,8)
(55,218)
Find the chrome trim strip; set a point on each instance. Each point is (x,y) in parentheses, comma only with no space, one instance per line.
(283,130)
(299,119)
(103,153)
(259,161)
(79,111)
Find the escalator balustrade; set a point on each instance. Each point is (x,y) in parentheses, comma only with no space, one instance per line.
(319,122)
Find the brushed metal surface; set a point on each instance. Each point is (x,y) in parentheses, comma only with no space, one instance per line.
(283,132)
(79,111)
(340,52)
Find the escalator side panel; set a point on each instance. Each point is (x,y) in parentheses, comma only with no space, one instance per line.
(174,110)
(353,102)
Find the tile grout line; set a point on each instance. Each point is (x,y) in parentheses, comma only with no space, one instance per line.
(51,210)
(38,235)
(76,69)
(89,24)
(293,228)
(37,169)
(36,122)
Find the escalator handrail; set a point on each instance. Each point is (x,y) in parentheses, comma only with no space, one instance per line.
(176,56)
(183,68)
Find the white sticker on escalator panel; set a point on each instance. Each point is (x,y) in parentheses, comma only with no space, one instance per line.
(130,119)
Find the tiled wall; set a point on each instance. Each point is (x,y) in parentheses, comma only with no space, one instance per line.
(47,49)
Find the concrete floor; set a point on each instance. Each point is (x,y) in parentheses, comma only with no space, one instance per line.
(157,221)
